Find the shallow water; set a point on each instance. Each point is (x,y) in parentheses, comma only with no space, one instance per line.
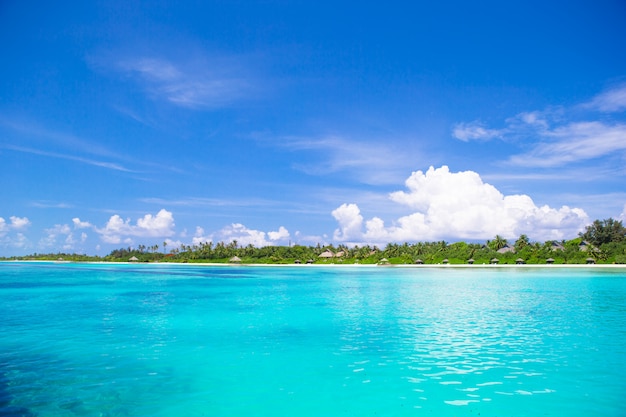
(178,340)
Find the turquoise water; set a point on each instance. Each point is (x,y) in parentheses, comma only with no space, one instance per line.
(163,340)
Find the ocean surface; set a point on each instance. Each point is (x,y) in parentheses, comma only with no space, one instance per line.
(178,340)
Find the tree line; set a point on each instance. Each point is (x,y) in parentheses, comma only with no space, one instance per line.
(604,241)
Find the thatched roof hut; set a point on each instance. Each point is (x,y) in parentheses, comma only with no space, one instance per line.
(520,261)
(549,261)
(133,259)
(419,262)
(309,261)
(495,260)
(235,259)
(297,261)
(326,254)
(506,248)
(470,261)
(383,261)
(445,261)
(591,261)
(557,246)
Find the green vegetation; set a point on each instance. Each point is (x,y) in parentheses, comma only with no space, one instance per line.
(602,242)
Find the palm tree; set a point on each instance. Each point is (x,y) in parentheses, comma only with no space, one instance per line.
(497,243)
(521,242)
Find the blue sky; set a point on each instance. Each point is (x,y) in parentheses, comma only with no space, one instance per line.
(275,122)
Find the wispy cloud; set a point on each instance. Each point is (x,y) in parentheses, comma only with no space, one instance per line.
(210,202)
(40,135)
(209,84)
(556,137)
(102,164)
(51,204)
(39,140)
(575,142)
(612,100)
(371,162)
(474,131)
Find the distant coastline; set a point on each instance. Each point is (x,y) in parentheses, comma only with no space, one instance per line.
(331,265)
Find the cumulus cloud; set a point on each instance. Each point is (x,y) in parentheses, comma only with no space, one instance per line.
(16,223)
(11,232)
(19,223)
(245,236)
(350,222)
(280,234)
(200,237)
(78,224)
(117,229)
(458,205)
(53,234)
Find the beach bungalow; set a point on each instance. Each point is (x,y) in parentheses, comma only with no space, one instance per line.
(326,254)
(557,246)
(235,259)
(506,249)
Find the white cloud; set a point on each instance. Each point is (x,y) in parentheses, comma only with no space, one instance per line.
(199,237)
(613,100)
(56,232)
(18,223)
(554,138)
(574,142)
(458,206)
(213,84)
(622,216)
(245,236)
(280,234)
(172,244)
(474,131)
(350,222)
(11,235)
(78,224)
(102,164)
(117,230)
(372,162)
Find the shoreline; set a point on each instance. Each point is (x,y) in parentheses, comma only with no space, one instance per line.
(338,265)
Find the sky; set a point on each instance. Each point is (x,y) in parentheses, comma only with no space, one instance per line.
(126,123)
